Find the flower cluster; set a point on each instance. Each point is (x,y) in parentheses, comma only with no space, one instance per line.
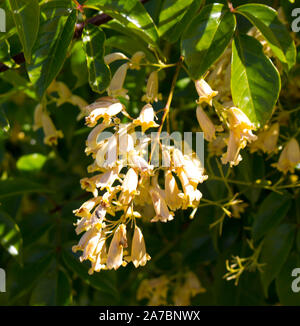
(125,180)
(183,286)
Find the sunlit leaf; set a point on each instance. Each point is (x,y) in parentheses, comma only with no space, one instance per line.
(207,37)
(26,14)
(255,82)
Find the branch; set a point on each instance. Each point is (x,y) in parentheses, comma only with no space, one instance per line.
(96,20)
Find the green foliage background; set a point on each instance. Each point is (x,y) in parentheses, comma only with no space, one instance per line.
(39,185)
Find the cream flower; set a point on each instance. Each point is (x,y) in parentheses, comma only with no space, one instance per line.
(204,91)
(161,209)
(152,94)
(206,124)
(92,144)
(100,256)
(115,88)
(136,59)
(232,156)
(129,186)
(266,140)
(88,244)
(105,112)
(289,157)
(146,118)
(191,195)
(51,133)
(112,57)
(115,251)
(172,192)
(139,256)
(86,207)
(240,133)
(38,113)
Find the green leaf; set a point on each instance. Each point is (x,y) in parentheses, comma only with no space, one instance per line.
(129,46)
(78,64)
(276,247)
(26,15)
(19,186)
(175,16)
(271,212)
(130,13)
(276,34)
(255,82)
(284,282)
(102,281)
(55,35)
(10,235)
(25,277)
(99,73)
(54,289)
(31,162)
(207,37)
(20,83)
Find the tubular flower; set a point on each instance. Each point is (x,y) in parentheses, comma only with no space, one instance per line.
(112,57)
(289,157)
(240,133)
(152,94)
(125,186)
(204,91)
(103,110)
(38,113)
(188,289)
(136,59)
(206,124)
(266,140)
(161,209)
(155,290)
(146,118)
(139,256)
(172,191)
(117,245)
(51,133)
(115,88)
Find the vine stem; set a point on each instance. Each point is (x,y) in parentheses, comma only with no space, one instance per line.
(168,104)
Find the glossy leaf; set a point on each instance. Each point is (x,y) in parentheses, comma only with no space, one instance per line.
(255,82)
(271,212)
(78,64)
(26,15)
(276,34)
(55,35)
(19,186)
(99,73)
(25,277)
(207,37)
(284,282)
(10,235)
(276,247)
(132,14)
(101,281)
(129,46)
(175,16)
(31,162)
(53,289)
